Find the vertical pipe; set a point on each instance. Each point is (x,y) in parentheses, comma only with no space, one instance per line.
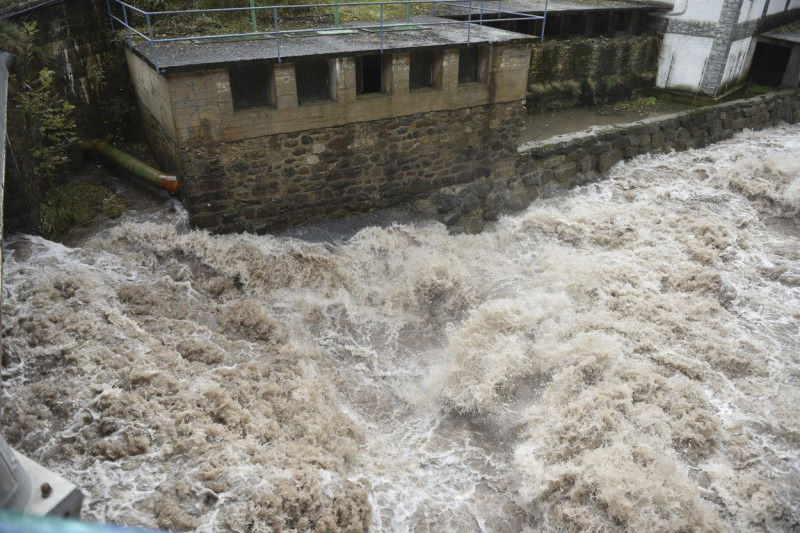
(381,27)
(277,34)
(544,21)
(253,15)
(335,13)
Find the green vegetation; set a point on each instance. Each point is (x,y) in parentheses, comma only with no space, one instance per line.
(49,124)
(41,135)
(641,105)
(41,121)
(75,204)
(754,89)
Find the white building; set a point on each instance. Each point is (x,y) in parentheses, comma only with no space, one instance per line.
(709,45)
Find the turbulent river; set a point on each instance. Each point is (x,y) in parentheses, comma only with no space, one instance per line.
(624,356)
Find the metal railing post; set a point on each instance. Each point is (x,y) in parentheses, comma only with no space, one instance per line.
(544,20)
(111,18)
(253,15)
(381,27)
(152,44)
(127,26)
(469,22)
(336,13)
(480,21)
(277,33)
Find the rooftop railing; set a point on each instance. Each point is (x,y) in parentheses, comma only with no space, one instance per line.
(155,28)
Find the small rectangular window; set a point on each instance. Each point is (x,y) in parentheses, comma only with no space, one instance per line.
(468,64)
(420,70)
(425,69)
(369,70)
(312,80)
(473,64)
(249,86)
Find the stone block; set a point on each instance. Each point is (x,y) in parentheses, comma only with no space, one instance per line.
(599,148)
(551,162)
(587,164)
(609,159)
(565,172)
(515,201)
(447,202)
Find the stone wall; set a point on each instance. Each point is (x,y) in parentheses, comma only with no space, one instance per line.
(288,179)
(569,160)
(90,70)
(89,64)
(590,71)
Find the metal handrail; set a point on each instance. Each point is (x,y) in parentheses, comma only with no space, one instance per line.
(123,9)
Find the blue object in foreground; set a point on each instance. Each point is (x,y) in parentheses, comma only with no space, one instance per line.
(15,522)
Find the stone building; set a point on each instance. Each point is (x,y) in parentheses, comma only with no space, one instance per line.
(264,139)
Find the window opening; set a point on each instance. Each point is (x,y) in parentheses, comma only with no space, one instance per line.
(249,86)
(312,80)
(420,70)
(468,64)
(369,74)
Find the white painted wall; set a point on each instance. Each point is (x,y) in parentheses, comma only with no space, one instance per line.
(738,59)
(752,10)
(776,6)
(682,61)
(701,10)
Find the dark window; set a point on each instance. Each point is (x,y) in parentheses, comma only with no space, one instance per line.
(312,80)
(368,74)
(601,23)
(420,70)
(769,64)
(468,64)
(249,86)
(577,24)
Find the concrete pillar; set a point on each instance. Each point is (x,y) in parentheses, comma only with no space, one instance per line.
(791,76)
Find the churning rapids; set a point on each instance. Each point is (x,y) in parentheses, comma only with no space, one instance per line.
(624,356)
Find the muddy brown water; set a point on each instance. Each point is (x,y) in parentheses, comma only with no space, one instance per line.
(620,357)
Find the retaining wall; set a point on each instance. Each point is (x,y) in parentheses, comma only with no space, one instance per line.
(590,71)
(566,161)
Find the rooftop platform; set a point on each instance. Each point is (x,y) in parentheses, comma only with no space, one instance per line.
(433,25)
(554,6)
(191,55)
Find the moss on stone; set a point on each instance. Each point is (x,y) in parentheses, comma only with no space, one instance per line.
(76,204)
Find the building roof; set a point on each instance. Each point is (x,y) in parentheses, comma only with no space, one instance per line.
(789,33)
(204,54)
